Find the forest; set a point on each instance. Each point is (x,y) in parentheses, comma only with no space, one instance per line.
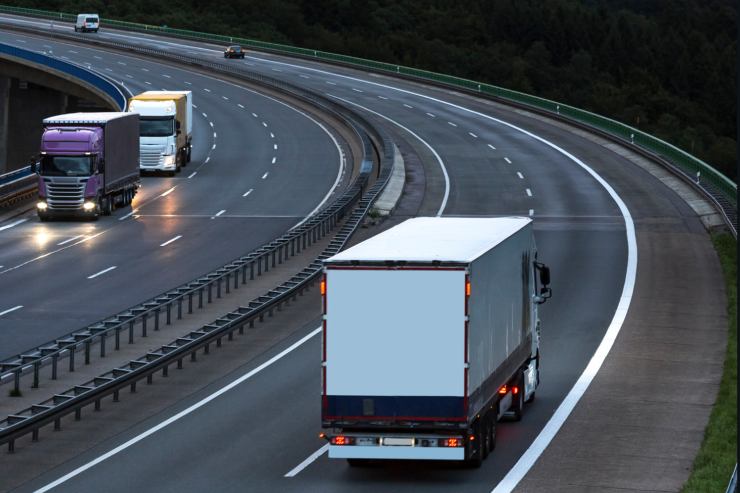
(667,67)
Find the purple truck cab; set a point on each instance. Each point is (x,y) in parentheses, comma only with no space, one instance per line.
(89,164)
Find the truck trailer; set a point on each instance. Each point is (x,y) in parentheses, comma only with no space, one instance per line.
(89,164)
(166,129)
(430,337)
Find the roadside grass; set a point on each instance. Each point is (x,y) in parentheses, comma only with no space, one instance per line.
(716,459)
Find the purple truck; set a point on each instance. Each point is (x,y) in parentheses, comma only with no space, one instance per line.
(89,164)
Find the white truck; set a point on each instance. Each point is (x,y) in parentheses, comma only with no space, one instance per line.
(430,336)
(166,129)
(87,23)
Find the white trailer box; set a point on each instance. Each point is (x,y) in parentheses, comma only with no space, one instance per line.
(425,323)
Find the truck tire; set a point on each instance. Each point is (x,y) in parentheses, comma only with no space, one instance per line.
(105,206)
(190,151)
(477,446)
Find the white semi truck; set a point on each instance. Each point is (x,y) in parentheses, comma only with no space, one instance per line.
(430,336)
(166,129)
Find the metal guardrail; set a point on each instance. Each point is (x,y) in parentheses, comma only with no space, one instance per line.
(20,184)
(32,419)
(718,188)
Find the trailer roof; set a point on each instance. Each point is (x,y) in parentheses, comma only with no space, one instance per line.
(429,239)
(83,118)
(160,95)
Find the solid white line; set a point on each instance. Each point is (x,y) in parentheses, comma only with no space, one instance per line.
(529,192)
(177,416)
(308,461)
(168,191)
(265,175)
(520,175)
(16,223)
(192,174)
(439,159)
(472,135)
(101,272)
(11,310)
(507,160)
(134,211)
(68,240)
(220,212)
(453,124)
(171,240)
(248,192)
(489,145)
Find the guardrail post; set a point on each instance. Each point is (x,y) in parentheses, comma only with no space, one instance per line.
(35,435)
(78,414)
(87,352)
(131,331)
(200,298)
(193,355)
(218,288)
(115,396)
(97,404)
(228,282)
(118,338)
(11,446)
(259,265)
(72,351)
(133,387)
(251,271)
(190,303)
(36,366)
(54,361)
(156,319)
(236,279)
(210,292)
(165,371)
(179,363)
(169,314)
(292,246)
(103,337)
(218,341)
(244,273)
(179,308)
(149,379)
(273,257)
(266,256)
(17,382)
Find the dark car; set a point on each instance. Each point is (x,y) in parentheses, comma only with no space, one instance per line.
(234,51)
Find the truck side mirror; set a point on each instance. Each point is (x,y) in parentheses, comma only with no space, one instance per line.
(545,275)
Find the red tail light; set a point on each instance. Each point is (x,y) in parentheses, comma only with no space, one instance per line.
(452,442)
(515,390)
(342,440)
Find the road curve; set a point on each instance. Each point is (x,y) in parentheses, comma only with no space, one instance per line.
(477,161)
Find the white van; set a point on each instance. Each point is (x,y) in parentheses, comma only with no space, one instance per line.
(87,23)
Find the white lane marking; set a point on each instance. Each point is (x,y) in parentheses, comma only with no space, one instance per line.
(171,240)
(272,135)
(225,98)
(147,82)
(166,76)
(213,146)
(94,56)
(220,212)
(134,211)
(178,416)
(274,159)
(274,146)
(121,63)
(276,70)
(436,155)
(432,115)
(109,69)
(255,115)
(68,240)
(206,89)
(195,106)
(520,175)
(264,124)
(248,192)
(22,41)
(204,115)
(507,160)
(15,223)
(168,191)
(240,105)
(531,212)
(129,76)
(69,51)
(211,124)
(188,83)
(382,97)
(357,90)
(11,310)
(472,135)
(144,69)
(64,58)
(491,146)
(265,175)
(408,106)
(215,135)
(192,174)
(207,159)
(101,272)
(304,76)
(331,83)
(453,124)
(529,192)
(309,460)
(42,256)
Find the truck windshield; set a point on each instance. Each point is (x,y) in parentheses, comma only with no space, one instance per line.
(66,166)
(91,19)
(156,126)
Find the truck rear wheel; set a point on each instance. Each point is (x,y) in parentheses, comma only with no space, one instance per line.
(105,206)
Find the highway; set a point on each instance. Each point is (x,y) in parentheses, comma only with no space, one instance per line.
(477,158)
(258,168)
